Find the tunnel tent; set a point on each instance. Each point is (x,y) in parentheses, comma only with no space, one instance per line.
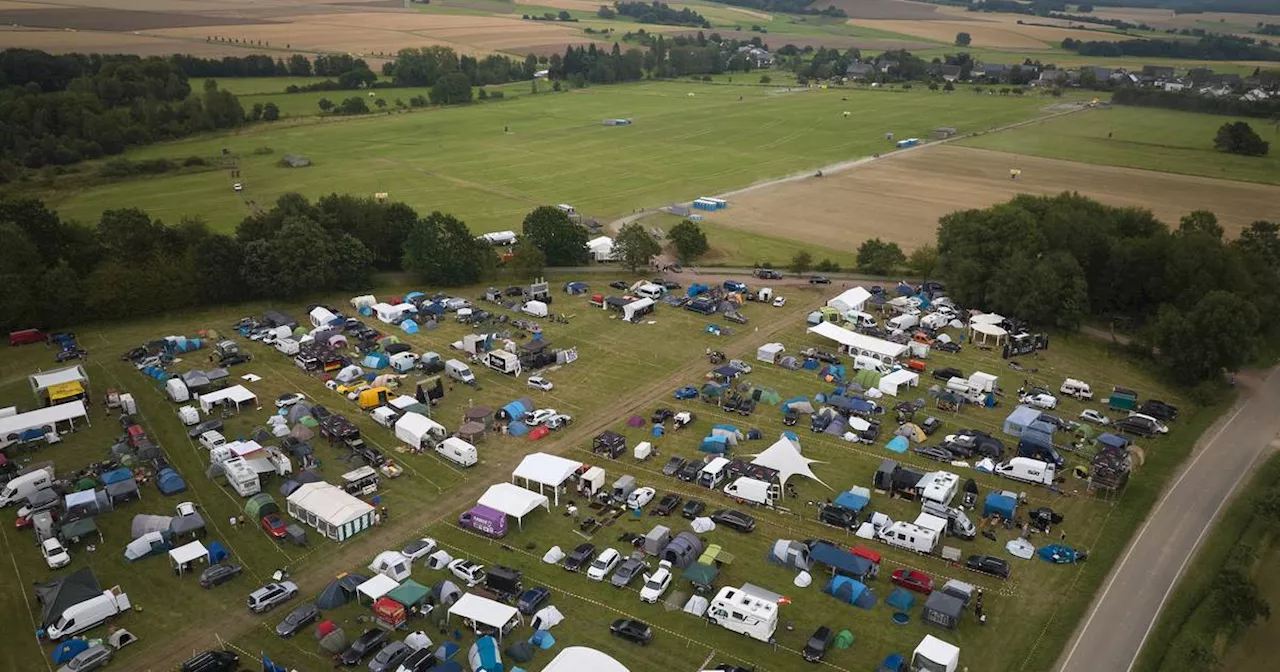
(445,592)
(851,591)
(260,505)
(144,523)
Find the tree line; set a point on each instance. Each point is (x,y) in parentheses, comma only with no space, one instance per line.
(1207,48)
(788,7)
(1197,297)
(1190,101)
(661,13)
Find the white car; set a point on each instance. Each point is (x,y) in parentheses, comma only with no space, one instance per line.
(604,563)
(1160,426)
(540,383)
(740,365)
(289,399)
(1046,401)
(656,584)
(780,302)
(419,548)
(535,418)
(54,554)
(640,497)
(186,509)
(558,420)
(211,440)
(237,186)
(1090,415)
(472,573)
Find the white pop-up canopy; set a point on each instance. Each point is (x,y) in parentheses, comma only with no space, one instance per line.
(545,470)
(237,394)
(379,585)
(784,456)
(183,555)
(976,329)
(853,298)
(485,611)
(513,500)
(577,658)
(890,382)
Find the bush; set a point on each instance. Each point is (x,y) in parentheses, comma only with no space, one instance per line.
(765,79)
(127,168)
(194,161)
(827,266)
(497,95)
(483,95)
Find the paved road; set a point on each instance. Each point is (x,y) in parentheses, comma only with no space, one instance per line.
(1129,604)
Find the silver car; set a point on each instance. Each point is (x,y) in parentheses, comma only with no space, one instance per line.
(91,658)
(271,595)
(627,572)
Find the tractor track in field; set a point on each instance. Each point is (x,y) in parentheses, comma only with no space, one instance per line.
(204,631)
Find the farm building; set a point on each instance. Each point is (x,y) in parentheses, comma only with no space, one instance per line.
(330,510)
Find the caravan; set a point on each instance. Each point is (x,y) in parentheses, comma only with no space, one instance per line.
(863,362)
(909,536)
(941,487)
(735,610)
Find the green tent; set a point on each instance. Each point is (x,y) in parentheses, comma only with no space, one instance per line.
(78,530)
(867,378)
(700,575)
(310,421)
(844,640)
(86,484)
(410,593)
(260,505)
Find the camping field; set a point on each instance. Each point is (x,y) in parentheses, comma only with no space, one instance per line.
(686,141)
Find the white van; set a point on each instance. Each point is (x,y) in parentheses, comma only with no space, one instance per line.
(650,291)
(712,475)
(1027,470)
(458,451)
(385,416)
(459,372)
(861,320)
(753,490)
(909,536)
(902,323)
(935,320)
(25,485)
(1076,388)
(88,614)
(863,362)
(287,346)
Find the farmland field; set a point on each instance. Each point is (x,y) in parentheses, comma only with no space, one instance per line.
(554,150)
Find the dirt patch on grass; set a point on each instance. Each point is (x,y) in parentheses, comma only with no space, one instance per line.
(900,197)
(885,9)
(95,18)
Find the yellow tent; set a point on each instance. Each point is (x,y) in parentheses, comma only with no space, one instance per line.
(63,392)
(374,397)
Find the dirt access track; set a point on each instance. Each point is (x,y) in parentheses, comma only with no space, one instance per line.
(899,197)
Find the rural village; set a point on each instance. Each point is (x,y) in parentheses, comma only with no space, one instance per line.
(581,335)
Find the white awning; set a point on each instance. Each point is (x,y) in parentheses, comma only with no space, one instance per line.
(484,611)
(546,469)
(513,500)
(858,342)
(578,658)
(379,585)
(13,425)
(189,553)
(47,379)
(237,394)
(784,456)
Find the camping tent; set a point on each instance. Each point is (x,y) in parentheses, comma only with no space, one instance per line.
(769,352)
(850,590)
(790,554)
(392,564)
(513,500)
(144,523)
(445,592)
(235,395)
(943,609)
(578,658)
(901,599)
(999,503)
(56,595)
(349,373)
(339,591)
(260,505)
(784,456)
(484,656)
(484,611)
(1021,418)
(546,470)
(683,550)
(547,617)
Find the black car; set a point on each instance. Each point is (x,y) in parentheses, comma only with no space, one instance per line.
(582,555)
(689,471)
(371,456)
(320,413)
(364,646)
(419,661)
(692,509)
(935,453)
(671,285)
(620,285)
(947,372)
(232,360)
(673,465)
(988,564)
(666,505)
(734,519)
(662,415)
(946,347)
(533,598)
(819,280)
(839,516)
(297,619)
(1159,410)
(70,354)
(631,630)
(790,418)
(218,574)
(213,425)
(816,648)
(1140,426)
(930,425)
(967,443)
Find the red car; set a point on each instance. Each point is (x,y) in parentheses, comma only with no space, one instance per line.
(274,525)
(913,580)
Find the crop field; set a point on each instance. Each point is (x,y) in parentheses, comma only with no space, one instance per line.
(553,150)
(998,31)
(842,209)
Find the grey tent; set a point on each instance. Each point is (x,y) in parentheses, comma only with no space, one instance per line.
(55,596)
(445,593)
(943,609)
(295,534)
(299,411)
(191,524)
(789,362)
(683,550)
(215,375)
(520,652)
(147,451)
(77,530)
(302,432)
(790,554)
(196,380)
(335,641)
(123,491)
(339,591)
(299,479)
(144,523)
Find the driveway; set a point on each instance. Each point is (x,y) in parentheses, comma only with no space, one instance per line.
(1130,602)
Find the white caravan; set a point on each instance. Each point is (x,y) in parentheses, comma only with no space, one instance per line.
(735,610)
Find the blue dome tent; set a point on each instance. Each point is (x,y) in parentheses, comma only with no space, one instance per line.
(409,326)
(64,652)
(898,444)
(851,591)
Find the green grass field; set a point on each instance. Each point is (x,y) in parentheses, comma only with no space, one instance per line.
(1164,140)
(731,247)
(248,86)
(687,140)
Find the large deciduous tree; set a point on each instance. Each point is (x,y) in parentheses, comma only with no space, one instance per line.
(635,246)
(1239,138)
(562,241)
(442,251)
(689,240)
(878,257)
(1219,332)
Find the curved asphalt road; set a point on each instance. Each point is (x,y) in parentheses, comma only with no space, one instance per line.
(1124,613)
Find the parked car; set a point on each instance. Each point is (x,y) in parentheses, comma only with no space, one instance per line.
(666,505)
(55,554)
(687,392)
(628,571)
(472,573)
(692,509)
(1159,427)
(206,426)
(967,443)
(271,595)
(299,618)
(734,519)
(779,301)
(988,564)
(816,648)
(947,373)
(934,453)
(531,600)
(839,516)
(1159,410)
(603,564)
(390,657)
(1040,400)
(689,471)
(579,557)
(557,421)
(656,584)
(421,660)
(365,645)
(740,365)
(1097,418)
(673,465)
(274,525)
(1141,425)
(540,383)
(632,630)
(620,285)
(640,497)
(913,580)
(946,347)
(819,280)
(70,354)
(930,425)
(218,574)
(91,658)
(535,418)
(289,399)
(662,415)
(419,548)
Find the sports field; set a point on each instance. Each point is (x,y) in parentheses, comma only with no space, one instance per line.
(686,141)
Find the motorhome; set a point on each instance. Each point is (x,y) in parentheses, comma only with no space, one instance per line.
(909,536)
(89,614)
(25,485)
(287,346)
(458,451)
(241,477)
(935,655)
(755,491)
(503,362)
(958,524)
(941,487)
(1027,470)
(713,473)
(1076,388)
(862,362)
(738,611)
(459,372)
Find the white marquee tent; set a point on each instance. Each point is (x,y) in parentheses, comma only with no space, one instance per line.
(979,332)
(12,426)
(784,456)
(893,382)
(859,344)
(513,500)
(854,298)
(379,585)
(546,470)
(769,352)
(986,318)
(330,510)
(578,658)
(484,611)
(237,395)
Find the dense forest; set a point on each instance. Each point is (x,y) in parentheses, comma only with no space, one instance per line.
(1190,101)
(1198,6)
(788,6)
(1207,48)
(661,13)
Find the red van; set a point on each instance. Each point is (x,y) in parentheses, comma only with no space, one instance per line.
(27,336)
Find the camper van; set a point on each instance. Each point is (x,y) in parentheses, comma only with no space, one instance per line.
(458,451)
(862,362)
(958,524)
(754,491)
(935,655)
(935,321)
(89,614)
(287,346)
(902,323)
(861,320)
(713,473)
(360,482)
(503,362)
(738,611)
(25,485)
(649,291)
(486,521)
(909,536)
(941,487)
(1076,388)
(459,372)
(1027,470)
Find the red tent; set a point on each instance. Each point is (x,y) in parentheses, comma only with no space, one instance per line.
(325,628)
(539,432)
(864,552)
